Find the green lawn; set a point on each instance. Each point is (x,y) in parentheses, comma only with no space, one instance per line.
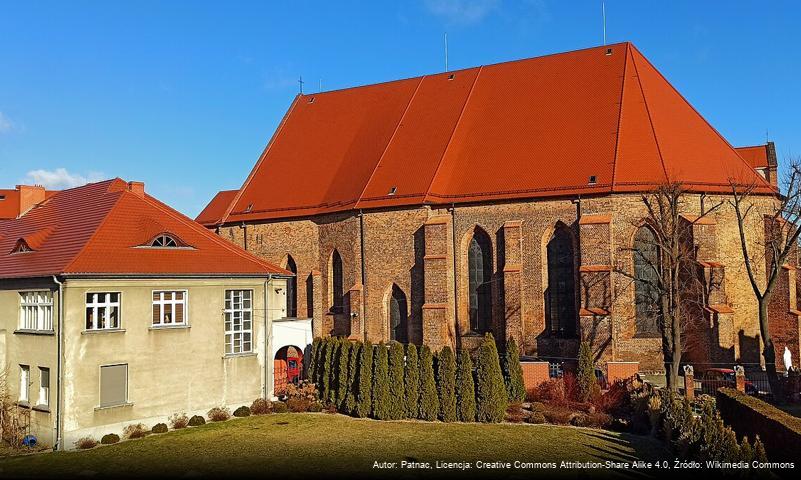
(310,444)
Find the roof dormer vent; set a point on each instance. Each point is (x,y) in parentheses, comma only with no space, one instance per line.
(608,51)
(311,100)
(593,180)
(451,76)
(393,190)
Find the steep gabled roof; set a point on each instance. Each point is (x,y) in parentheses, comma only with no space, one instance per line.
(756,155)
(530,128)
(215,210)
(105,229)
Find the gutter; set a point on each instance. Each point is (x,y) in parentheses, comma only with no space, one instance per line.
(59,364)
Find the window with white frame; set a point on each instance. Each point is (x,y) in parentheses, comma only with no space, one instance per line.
(169,307)
(44,386)
(238,321)
(36,311)
(24,383)
(102,310)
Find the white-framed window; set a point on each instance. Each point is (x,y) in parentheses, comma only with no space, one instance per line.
(164,241)
(24,383)
(170,307)
(238,321)
(36,311)
(113,385)
(102,310)
(44,386)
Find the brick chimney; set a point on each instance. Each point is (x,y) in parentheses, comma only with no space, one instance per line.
(137,188)
(773,165)
(30,196)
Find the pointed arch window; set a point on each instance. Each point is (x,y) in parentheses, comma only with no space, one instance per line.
(647,268)
(337,284)
(398,316)
(479,266)
(561,293)
(292,288)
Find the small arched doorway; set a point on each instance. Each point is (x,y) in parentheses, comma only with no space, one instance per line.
(288,366)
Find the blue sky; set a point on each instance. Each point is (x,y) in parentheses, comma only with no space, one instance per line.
(185,95)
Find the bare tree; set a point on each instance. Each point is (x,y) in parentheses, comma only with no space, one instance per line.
(782,228)
(670,278)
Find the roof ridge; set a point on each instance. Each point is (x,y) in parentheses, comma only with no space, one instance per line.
(650,118)
(391,138)
(619,118)
(264,153)
(99,226)
(453,132)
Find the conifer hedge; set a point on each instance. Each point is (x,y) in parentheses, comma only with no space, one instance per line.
(429,400)
(396,408)
(311,363)
(446,384)
(364,401)
(342,372)
(465,388)
(491,400)
(381,382)
(412,382)
(353,369)
(585,375)
(513,372)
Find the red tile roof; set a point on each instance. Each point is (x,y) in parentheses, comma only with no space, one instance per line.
(105,229)
(9,203)
(756,156)
(530,128)
(217,207)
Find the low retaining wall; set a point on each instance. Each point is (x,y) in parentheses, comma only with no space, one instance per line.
(535,374)
(616,371)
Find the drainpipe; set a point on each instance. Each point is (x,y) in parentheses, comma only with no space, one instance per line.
(267,334)
(59,364)
(364,277)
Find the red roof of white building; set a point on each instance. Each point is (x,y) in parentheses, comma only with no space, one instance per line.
(530,128)
(107,229)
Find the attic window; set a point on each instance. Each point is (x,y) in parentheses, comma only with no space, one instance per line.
(311,100)
(608,51)
(2,197)
(451,76)
(392,191)
(21,247)
(164,241)
(250,207)
(593,180)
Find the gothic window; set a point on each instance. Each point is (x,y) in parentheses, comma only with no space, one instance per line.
(561,294)
(398,316)
(479,266)
(646,275)
(337,290)
(292,289)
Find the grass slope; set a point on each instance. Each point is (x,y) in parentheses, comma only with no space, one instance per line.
(320,444)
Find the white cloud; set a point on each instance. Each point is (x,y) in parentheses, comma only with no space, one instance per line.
(462,12)
(60,178)
(6,125)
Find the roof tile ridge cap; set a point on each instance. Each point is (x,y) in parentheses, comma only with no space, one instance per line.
(620,116)
(264,153)
(100,225)
(453,132)
(699,115)
(204,231)
(648,112)
(391,138)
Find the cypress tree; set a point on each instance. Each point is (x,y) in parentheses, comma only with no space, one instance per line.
(380,382)
(342,373)
(325,368)
(465,388)
(364,402)
(746,451)
(759,451)
(311,363)
(429,401)
(585,376)
(353,386)
(513,372)
(446,384)
(490,390)
(412,381)
(397,393)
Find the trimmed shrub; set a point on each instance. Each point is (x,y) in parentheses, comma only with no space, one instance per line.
(178,421)
(298,404)
(465,388)
(551,391)
(429,401)
(330,409)
(364,401)
(515,413)
(343,358)
(380,382)
(316,407)
(353,386)
(261,406)
(411,381)
(537,407)
(536,417)
(491,398)
(327,391)
(159,428)
(136,430)
(759,451)
(513,372)
(196,421)
(280,407)
(446,384)
(219,414)
(600,420)
(86,443)
(242,411)
(311,362)
(109,439)
(396,406)
(587,383)
(559,415)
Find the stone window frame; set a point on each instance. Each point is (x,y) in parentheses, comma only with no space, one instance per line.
(548,235)
(464,282)
(389,298)
(291,287)
(638,284)
(336,282)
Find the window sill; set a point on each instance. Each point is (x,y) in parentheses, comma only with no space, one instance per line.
(169,327)
(23,404)
(103,330)
(239,355)
(41,408)
(647,336)
(46,333)
(110,407)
